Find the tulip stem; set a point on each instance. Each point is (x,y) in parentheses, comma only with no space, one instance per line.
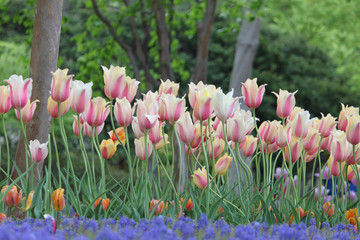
(7,146)
(166,173)
(147,200)
(48,183)
(207,169)
(314,166)
(356,173)
(180,158)
(102,163)
(26,150)
(212,147)
(56,154)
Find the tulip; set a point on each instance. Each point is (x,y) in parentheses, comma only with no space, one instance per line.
(155,133)
(123,112)
(96,203)
(301,124)
(20,90)
(76,126)
(200,178)
(27,112)
(340,147)
(285,103)
(58,199)
(268,131)
(311,140)
(294,113)
(12,198)
(48,216)
(96,112)
(189,205)
(344,114)
(351,173)
(197,139)
(220,210)
(269,148)
(113,79)
(223,164)
(204,105)
(279,172)
(136,128)
(295,150)
(310,156)
(53,109)
(350,159)
(120,132)
(174,107)
(238,127)
(28,200)
(2,217)
(105,203)
(80,95)
(38,151)
(192,92)
(147,113)
(162,110)
(185,128)
(252,93)
(140,148)
(325,143)
(61,85)
(353,129)
(5,99)
(334,166)
(168,87)
(283,136)
(326,125)
(217,147)
(107,148)
(157,206)
(225,105)
(249,147)
(329,209)
(89,131)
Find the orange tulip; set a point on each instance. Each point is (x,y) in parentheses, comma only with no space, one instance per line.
(159,206)
(189,205)
(120,132)
(329,209)
(28,201)
(12,198)
(351,215)
(58,199)
(2,217)
(105,203)
(107,148)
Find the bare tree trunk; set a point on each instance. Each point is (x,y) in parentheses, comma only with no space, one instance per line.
(44,57)
(203,42)
(246,47)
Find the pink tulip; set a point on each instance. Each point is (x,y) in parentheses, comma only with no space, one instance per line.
(222,164)
(269,148)
(200,178)
(147,113)
(155,133)
(5,99)
(344,114)
(350,159)
(89,131)
(123,112)
(204,105)
(20,90)
(326,143)
(268,131)
(168,87)
(334,166)
(295,150)
(113,79)
(301,124)
(217,146)
(38,151)
(353,129)
(162,111)
(80,95)
(140,148)
(326,125)
(252,93)
(285,103)
(238,127)
(136,128)
(197,139)
(340,147)
(350,172)
(52,107)
(193,89)
(174,106)
(311,140)
(27,112)
(185,128)
(61,85)
(96,112)
(249,145)
(283,136)
(225,105)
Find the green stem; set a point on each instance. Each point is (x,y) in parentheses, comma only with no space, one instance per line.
(101,159)
(56,154)
(207,170)
(7,146)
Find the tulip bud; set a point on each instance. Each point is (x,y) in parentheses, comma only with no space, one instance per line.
(252,93)
(5,99)
(301,124)
(61,85)
(58,199)
(107,148)
(204,105)
(140,148)
(200,178)
(147,113)
(189,205)
(89,131)
(155,133)
(136,128)
(283,136)
(76,126)
(12,198)
(239,126)
(223,164)
(311,140)
(105,203)
(96,112)
(27,112)
(268,131)
(38,151)
(113,79)
(285,103)
(157,205)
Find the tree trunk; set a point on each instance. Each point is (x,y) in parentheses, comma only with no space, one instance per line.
(203,42)
(44,57)
(246,47)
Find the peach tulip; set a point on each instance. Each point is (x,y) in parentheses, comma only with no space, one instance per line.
(353,129)
(38,151)
(285,103)
(283,136)
(155,133)
(344,114)
(96,112)
(107,148)
(80,95)
(334,166)
(27,112)
(140,150)
(268,131)
(28,200)
(58,199)
(189,205)
(61,85)
(224,104)
(105,203)
(123,112)
(311,140)
(200,178)
(252,93)
(5,99)
(20,90)
(223,164)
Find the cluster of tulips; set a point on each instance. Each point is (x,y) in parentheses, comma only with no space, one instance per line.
(210,135)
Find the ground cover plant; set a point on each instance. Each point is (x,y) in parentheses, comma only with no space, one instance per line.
(206,169)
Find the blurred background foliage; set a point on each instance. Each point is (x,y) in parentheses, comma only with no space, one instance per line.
(305,45)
